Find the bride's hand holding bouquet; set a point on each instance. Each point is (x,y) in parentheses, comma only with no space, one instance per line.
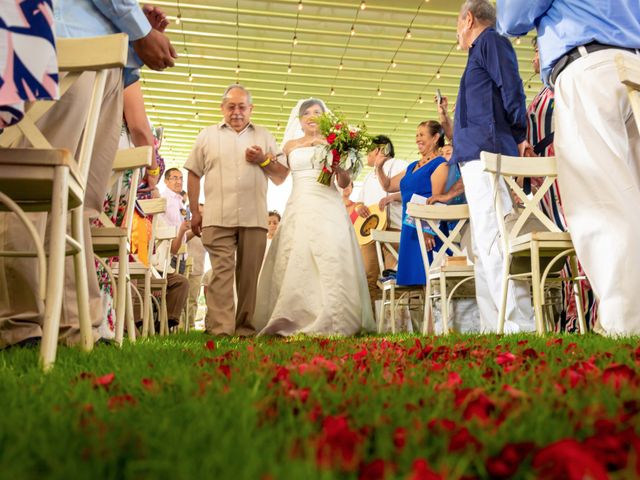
(344,147)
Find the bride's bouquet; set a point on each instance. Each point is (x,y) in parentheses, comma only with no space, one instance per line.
(344,147)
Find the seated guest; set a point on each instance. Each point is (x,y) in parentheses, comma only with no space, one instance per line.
(197,253)
(371,194)
(273,221)
(425,177)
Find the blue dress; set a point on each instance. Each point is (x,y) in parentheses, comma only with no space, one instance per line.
(410,266)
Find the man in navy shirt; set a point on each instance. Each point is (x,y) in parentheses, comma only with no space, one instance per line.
(597,142)
(491,116)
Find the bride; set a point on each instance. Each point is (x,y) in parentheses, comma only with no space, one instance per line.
(313,279)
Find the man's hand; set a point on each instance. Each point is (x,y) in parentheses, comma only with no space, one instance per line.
(380,158)
(384,201)
(255,155)
(155,50)
(525,149)
(196,223)
(362,210)
(184,228)
(157,18)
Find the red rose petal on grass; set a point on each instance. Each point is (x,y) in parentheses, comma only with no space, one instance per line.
(104,381)
(567,460)
(463,439)
(400,438)
(210,345)
(618,375)
(225,370)
(420,470)
(506,463)
(337,445)
(506,358)
(120,401)
(374,470)
(479,407)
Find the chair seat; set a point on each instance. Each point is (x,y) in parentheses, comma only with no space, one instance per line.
(32,187)
(547,241)
(453,270)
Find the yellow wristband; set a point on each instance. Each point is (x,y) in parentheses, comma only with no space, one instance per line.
(153,171)
(266,162)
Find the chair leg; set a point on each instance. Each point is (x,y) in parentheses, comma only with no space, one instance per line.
(577,292)
(82,282)
(164,320)
(131,326)
(502,312)
(444,304)
(123,274)
(147,316)
(55,270)
(427,323)
(537,288)
(392,300)
(383,310)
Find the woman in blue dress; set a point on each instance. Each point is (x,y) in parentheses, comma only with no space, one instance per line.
(425,177)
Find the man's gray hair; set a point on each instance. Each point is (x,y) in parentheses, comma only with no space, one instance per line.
(482,10)
(225,95)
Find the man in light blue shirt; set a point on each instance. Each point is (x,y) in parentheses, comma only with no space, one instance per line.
(597,141)
(21,315)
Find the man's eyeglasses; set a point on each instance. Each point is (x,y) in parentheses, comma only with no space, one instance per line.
(175,178)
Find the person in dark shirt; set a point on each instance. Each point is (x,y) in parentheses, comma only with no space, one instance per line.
(490,116)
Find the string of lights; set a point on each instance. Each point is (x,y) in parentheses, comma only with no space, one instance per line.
(352,32)
(393,63)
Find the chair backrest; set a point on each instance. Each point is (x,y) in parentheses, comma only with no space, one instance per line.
(164,236)
(75,56)
(504,169)
(153,207)
(629,73)
(127,160)
(433,215)
(385,240)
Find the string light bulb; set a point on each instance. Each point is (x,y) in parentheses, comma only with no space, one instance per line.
(379,91)
(300,7)
(353,30)
(279,126)
(333,92)
(178,19)
(193,101)
(438,74)
(408,33)
(406,119)
(285,91)
(458,47)
(341,66)
(289,69)
(363,5)
(366,115)
(238,68)
(190,77)
(197,115)
(394,64)
(518,41)
(420,100)
(295,39)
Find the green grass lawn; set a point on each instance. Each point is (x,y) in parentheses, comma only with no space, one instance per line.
(372,407)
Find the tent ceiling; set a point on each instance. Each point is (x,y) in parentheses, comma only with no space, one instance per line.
(213,39)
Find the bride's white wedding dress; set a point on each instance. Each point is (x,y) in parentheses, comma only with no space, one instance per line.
(313,280)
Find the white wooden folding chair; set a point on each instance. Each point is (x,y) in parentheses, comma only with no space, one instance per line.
(146,272)
(441,272)
(47,179)
(393,295)
(536,253)
(164,235)
(629,73)
(110,240)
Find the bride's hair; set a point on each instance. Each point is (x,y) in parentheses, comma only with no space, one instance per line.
(308,104)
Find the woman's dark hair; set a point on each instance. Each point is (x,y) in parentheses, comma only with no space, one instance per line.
(434,129)
(274,213)
(384,140)
(308,104)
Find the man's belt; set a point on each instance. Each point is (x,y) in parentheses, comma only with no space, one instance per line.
(575,54)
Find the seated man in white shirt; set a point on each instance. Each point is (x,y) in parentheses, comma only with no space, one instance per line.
(371,194)
(178,285)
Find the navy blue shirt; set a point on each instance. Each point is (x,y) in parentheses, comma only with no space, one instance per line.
(491,111)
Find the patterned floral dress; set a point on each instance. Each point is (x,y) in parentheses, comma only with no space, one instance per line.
(540,136)
(28,63)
